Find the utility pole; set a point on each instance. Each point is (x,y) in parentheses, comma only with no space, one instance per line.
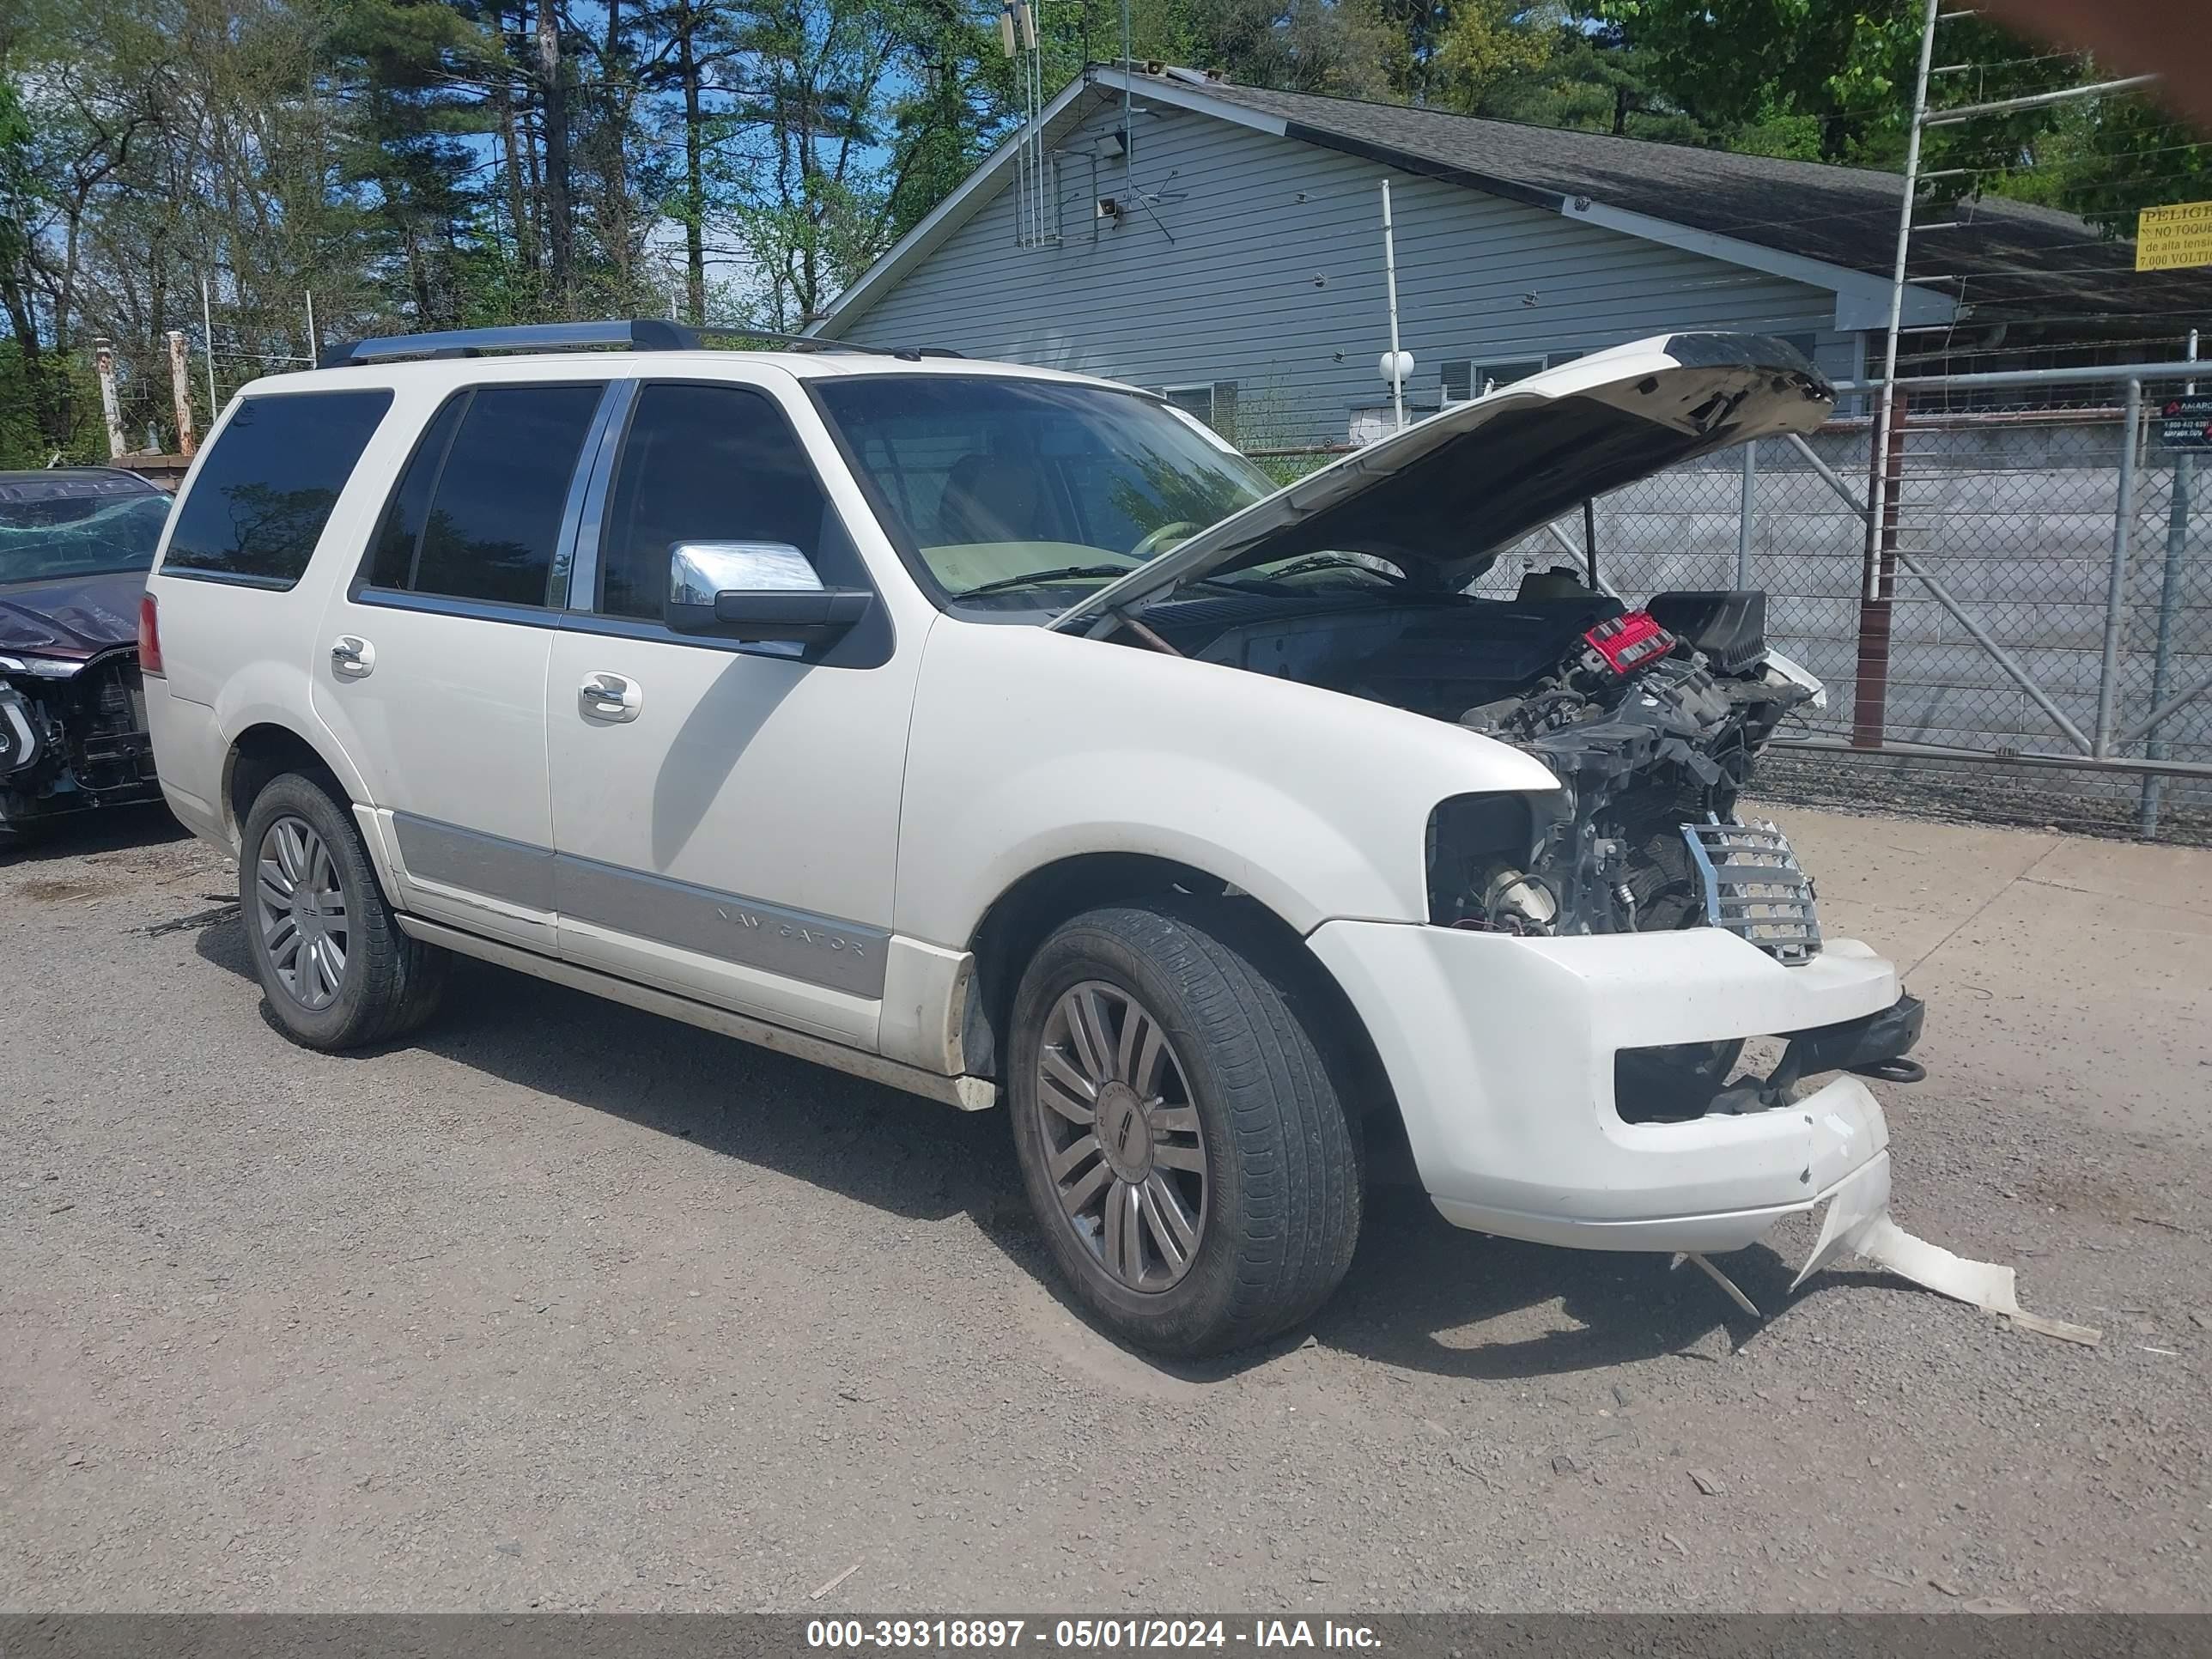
(207,334)
(1897,278)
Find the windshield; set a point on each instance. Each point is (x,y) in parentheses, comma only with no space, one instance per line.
(77,527)
(1020,487)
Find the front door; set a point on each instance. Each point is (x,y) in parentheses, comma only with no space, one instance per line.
(726,816)
(431,668)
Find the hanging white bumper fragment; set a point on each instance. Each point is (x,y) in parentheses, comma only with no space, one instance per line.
(1858,1224)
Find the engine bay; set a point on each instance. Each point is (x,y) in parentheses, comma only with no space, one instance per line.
(1650,718)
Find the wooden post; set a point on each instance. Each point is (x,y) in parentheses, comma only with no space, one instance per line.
(1878,584)
(180,389)
(103,359)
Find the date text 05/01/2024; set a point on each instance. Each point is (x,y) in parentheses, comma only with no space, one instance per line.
(1085,1634)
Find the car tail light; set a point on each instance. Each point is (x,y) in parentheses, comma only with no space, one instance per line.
(1629,641)
(150,636)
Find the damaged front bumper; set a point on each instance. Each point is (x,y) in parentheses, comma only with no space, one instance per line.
(70,744)
(1503,1054)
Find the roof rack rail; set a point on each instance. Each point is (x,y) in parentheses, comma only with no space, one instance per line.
(636,334)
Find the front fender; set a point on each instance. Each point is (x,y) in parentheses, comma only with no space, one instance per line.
(1029,746)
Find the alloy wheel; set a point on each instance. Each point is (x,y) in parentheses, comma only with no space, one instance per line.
(1121,1136)
(302,910)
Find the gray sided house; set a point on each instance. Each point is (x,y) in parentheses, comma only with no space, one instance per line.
(1224,244)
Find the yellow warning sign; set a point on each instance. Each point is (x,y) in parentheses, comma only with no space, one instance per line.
(2171,237)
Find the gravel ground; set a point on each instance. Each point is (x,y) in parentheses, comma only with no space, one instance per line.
(566,1307)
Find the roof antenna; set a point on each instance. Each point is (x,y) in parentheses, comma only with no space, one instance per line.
(1037,185)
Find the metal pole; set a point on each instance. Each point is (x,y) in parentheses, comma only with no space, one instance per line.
(2116,583)
(2168,706)
(2037,100)
(103,357)
(2169,606)
(314,340)
(2096,374)
(207,336)
(1127,71)
(2003,657)
(1390,285)
(1828,475)
(1874,498)
(180,393)
(1870,694)
(1907,750)
(1743,516)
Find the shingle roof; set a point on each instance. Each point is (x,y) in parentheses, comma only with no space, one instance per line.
(2014,260)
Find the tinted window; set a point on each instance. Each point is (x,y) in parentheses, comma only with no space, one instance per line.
(392,560)
(702,463)
(266,489)
(476,513)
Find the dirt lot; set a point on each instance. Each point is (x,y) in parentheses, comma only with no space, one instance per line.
(567,1307)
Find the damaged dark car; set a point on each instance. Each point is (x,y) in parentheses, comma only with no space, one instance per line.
(75,544)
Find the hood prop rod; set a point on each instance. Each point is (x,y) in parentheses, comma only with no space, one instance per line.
(1144,634)
(1589,540)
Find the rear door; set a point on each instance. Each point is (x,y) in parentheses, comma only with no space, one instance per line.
(729,830)
(432,664)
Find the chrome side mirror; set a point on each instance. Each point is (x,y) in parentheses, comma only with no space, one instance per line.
(757,593)
(697,571)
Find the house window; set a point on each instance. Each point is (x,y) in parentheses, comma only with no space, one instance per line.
(1213,401)
(1489,376)
(1463,378)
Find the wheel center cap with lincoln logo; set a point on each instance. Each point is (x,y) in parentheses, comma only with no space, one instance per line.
(1124,1132)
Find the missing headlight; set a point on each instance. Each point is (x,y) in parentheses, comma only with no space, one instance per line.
(1481,857)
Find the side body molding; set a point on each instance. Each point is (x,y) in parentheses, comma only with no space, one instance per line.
(825,951)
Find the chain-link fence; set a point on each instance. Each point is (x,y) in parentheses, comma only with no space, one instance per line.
(2028,638)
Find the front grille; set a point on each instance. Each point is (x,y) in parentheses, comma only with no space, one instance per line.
(1755,888)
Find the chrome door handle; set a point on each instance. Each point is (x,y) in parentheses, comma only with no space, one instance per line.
(610,697)
(352,657)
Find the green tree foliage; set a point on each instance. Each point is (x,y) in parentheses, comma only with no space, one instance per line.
(1568,70)
(1345,47)
(2108,158)
(1834,84)
(1487,50)
(443,163)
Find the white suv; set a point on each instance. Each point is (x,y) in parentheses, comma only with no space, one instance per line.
(1003,734)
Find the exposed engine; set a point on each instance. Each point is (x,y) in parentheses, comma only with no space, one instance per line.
(1651,719)
(1648,727)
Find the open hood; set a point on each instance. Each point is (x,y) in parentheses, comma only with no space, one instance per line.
(1443,498)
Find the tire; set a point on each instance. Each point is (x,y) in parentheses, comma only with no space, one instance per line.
(383,984)
(1241,1084)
